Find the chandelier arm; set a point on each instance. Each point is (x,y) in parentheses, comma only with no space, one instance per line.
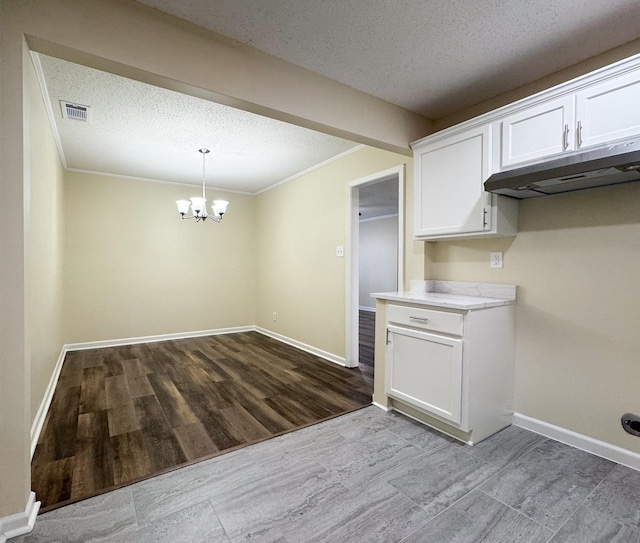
(201,218)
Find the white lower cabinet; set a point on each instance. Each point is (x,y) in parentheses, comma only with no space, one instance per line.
(454,366)
(425,370)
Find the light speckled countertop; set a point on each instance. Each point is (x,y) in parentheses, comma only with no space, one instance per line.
(455,295)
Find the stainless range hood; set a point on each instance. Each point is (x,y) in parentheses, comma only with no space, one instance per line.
(589,169)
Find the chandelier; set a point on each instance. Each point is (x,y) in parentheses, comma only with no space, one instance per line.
(199,205)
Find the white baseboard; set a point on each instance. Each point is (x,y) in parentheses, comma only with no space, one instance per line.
(152,339)
(20,523)
(303,346)
(579,441)
(41,415)
(366,308)
(380,406)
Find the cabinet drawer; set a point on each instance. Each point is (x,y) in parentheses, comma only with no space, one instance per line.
(427,319)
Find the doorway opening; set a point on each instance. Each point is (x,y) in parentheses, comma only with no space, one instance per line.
(375,256)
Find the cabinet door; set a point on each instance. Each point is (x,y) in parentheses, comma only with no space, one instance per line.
(450,173)
(609,111)
(538,132)
(425,371)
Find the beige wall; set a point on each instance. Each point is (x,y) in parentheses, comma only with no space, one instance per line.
(575,260)
(134,268)
(15,411)
(300,224)
(45,246)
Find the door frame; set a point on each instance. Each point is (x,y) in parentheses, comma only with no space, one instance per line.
(352,265)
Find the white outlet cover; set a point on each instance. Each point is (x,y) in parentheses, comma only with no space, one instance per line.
(339,250)
(495,260)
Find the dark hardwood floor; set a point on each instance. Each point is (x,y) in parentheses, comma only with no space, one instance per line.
(124,414)
(366,344)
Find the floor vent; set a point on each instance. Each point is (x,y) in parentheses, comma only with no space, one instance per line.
(75,112)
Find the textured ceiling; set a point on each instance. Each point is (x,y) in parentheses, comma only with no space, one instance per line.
(138,130)
(379,199)
(430,56)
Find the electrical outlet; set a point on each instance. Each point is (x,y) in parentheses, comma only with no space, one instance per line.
(495,260)
(339,251)
(275,316)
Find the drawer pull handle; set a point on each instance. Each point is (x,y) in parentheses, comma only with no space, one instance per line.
(421,319)
(579,133)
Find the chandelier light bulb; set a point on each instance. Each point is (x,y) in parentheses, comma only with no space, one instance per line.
(183,206)
(219,207)
(198,205)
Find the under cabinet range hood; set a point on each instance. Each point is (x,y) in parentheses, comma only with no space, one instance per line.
(589,169)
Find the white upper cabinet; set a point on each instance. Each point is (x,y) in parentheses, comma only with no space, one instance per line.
(450,176)
(538,132)
(451,166)
(450,201)
(608,111)
(596,112)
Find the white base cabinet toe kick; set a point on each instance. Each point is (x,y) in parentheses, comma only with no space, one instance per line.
(449,358)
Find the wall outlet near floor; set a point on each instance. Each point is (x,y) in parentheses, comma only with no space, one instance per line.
(275,316)
(339,250)
(495,260)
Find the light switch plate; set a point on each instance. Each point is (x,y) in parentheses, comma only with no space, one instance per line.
(495,260)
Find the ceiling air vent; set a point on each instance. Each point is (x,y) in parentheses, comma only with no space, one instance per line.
(75,112)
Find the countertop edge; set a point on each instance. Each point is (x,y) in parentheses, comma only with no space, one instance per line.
(424,299)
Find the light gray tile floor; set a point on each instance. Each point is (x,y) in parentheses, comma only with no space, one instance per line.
(369,477)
